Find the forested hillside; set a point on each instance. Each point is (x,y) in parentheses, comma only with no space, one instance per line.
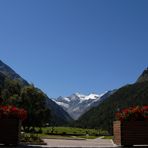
(103,115)
(17,91)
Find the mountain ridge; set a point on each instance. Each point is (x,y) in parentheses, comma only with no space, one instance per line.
(9,72)
(143,77)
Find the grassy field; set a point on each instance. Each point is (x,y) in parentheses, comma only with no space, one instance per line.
(69,132)
(72,131)
(63,133)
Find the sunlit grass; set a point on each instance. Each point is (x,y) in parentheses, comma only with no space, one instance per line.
(72,131)
(69,133)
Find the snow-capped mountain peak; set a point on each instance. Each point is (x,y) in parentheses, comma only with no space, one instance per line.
(77,103)
(82,97)
(66,99)
(93,96)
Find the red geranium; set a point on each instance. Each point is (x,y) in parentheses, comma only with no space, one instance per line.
(9,112)
(136,113)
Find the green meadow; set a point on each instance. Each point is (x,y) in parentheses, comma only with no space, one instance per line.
(68,132)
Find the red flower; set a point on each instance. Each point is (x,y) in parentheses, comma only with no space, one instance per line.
(12,112)
(136,113)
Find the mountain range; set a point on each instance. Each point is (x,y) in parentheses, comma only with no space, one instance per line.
(77,104)
(89,111)
(64,109)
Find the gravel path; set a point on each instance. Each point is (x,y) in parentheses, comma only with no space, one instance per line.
(90,143)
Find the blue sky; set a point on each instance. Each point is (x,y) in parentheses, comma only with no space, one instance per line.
(68,46)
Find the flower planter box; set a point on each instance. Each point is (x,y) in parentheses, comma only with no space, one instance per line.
(10,131)
(130,133)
